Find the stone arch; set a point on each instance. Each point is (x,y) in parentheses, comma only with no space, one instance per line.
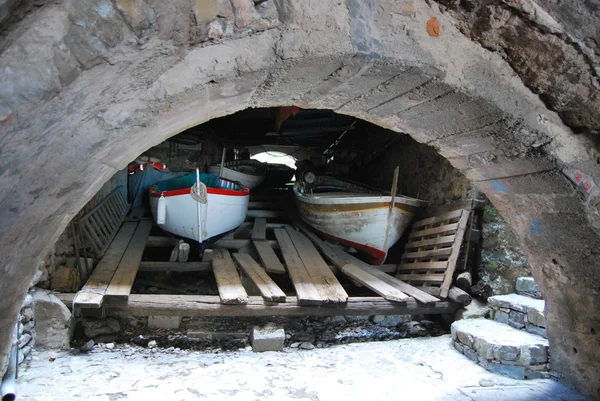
(374,62)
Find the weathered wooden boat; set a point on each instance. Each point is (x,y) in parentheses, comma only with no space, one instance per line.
(249,173)
(365,219)
(199,206)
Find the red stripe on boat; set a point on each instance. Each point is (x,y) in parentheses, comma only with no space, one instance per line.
(376,256)
(186,191)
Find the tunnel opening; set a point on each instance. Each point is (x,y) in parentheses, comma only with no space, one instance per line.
(168,293)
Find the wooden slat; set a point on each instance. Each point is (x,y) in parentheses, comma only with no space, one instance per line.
(231,290)
(434,230)
(443,252)
(267,256)
(267,287)
(445,287)
(92,293)
(240,244)
(373,283)
(437,219)
(267,214)
(445,240)
(423,266)
(306,291)
(426,278)
(341,258)
(124,277)
(206,305)
(259,231)
(327,284)
(175,266)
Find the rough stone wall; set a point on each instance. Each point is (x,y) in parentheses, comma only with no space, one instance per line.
(177,157)
(559,63)
(502,258)
(107,93)
(424,174)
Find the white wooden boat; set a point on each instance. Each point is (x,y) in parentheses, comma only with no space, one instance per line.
(202,211)
(356,216)
(250,173)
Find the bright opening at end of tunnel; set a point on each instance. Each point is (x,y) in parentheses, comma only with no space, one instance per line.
(275,158)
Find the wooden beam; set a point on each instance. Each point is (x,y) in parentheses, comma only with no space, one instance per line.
(321,275)
(203,305)
(122,281)
(462,226)
(341,258)
(455,294)
(92,293)
(235,244)
(306,292)
(175,266)
(268,257)
(373,283)
(231,290)
(259,231)
(267,287)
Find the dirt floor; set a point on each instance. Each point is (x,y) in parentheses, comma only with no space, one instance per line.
(416,369)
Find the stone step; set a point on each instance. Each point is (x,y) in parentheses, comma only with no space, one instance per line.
(520,312)
(502,349)
(528,287)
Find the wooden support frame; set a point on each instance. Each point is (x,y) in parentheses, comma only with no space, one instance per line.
(202,305)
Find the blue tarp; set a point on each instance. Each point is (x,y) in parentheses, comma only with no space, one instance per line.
(140,183)
(186,181)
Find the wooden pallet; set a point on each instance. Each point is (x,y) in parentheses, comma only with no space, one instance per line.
(432,250)
(101,224)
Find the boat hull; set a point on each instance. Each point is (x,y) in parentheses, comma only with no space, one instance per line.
(359,220)
(251,178)
(224,211)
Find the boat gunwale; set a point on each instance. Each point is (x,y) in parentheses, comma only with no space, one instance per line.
(212,191)
(328,197)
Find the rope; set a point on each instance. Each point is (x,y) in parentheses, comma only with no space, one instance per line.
(200,195)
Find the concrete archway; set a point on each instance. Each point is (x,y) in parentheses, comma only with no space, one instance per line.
(122,77)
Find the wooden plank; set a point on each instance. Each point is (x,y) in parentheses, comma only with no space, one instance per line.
(267,214)
(92,293)
(373,283)
(445,287)
(236,244)
(327,284)
(446,240)
(425,278)
(259,231)
(205,305)
(437,219)
(231,290)
(341,258)
(122,281)
(267,287)
(306,291)
(442,252)
(267,256)
(434,230)
(175,266)
(423,266)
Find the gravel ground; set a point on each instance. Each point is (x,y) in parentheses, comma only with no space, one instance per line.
(416,369)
